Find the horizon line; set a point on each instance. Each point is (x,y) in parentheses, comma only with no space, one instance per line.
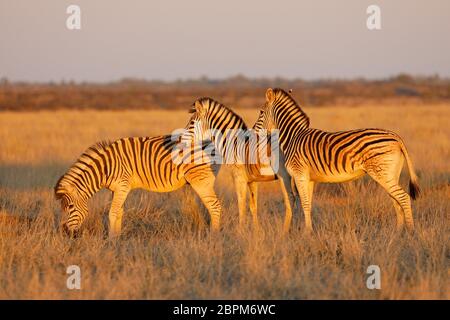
(204,78)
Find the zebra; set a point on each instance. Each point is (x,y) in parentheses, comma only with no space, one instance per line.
(130,163)
(313,155)
(246,174)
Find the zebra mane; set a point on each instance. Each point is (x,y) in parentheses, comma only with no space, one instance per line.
(101,145)
(211,104)
(281,99)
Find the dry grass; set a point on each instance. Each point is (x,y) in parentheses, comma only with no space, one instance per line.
(166,253)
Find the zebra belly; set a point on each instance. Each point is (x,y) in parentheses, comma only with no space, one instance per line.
(160,188)
(338,177)
(260,173)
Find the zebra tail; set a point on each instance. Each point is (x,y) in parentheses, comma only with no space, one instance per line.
(414,189)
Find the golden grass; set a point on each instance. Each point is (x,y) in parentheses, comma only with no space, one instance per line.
(165,252)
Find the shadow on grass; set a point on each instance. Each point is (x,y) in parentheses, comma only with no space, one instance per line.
(22,177)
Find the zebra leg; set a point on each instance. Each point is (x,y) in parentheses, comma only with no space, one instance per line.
(403,201)
(396,171)
(204,188)
(288,197)
(310,193)
(116,212)
(253,188)
(295,195)
(387,173)
(240,183)
(400,215)
(311,190)
(304,188)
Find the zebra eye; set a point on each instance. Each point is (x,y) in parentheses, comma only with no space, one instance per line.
(71,206)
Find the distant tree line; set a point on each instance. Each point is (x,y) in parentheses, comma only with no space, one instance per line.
(238,91)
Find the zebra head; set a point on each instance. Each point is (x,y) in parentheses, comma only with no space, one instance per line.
(193,133)
(266,119)
(281,111)
(192,145)
(73,205)
(215,119)
(202,113)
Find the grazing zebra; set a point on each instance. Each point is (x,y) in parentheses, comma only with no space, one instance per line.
(313,155)
(130,163)
(214,116)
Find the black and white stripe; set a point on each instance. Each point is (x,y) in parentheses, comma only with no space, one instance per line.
(230,144)
(130,163)
(313,155)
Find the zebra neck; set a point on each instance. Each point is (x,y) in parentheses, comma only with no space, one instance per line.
(291,128)
(86,182)
(226,127)
(228,141)
(225,141)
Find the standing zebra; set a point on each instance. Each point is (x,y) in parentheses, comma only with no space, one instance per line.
(131,163)
(214,116)
(314,155)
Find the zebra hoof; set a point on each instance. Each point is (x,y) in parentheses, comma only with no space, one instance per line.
(410,229)
(113,236)
(71,233)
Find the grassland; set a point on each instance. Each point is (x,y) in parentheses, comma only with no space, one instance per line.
(166,251)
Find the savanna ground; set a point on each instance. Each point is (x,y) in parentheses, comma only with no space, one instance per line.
(166,252)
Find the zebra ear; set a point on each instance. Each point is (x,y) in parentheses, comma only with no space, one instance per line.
(199,108)
(270,95)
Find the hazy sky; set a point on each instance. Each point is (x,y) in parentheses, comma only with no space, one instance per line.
(167,39)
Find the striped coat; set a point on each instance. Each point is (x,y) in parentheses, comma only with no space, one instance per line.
(215,117)
(313,155)
(130,163)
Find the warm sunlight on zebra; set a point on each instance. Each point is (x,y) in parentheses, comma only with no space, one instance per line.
(314,155)
(130,163)
(215,117)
